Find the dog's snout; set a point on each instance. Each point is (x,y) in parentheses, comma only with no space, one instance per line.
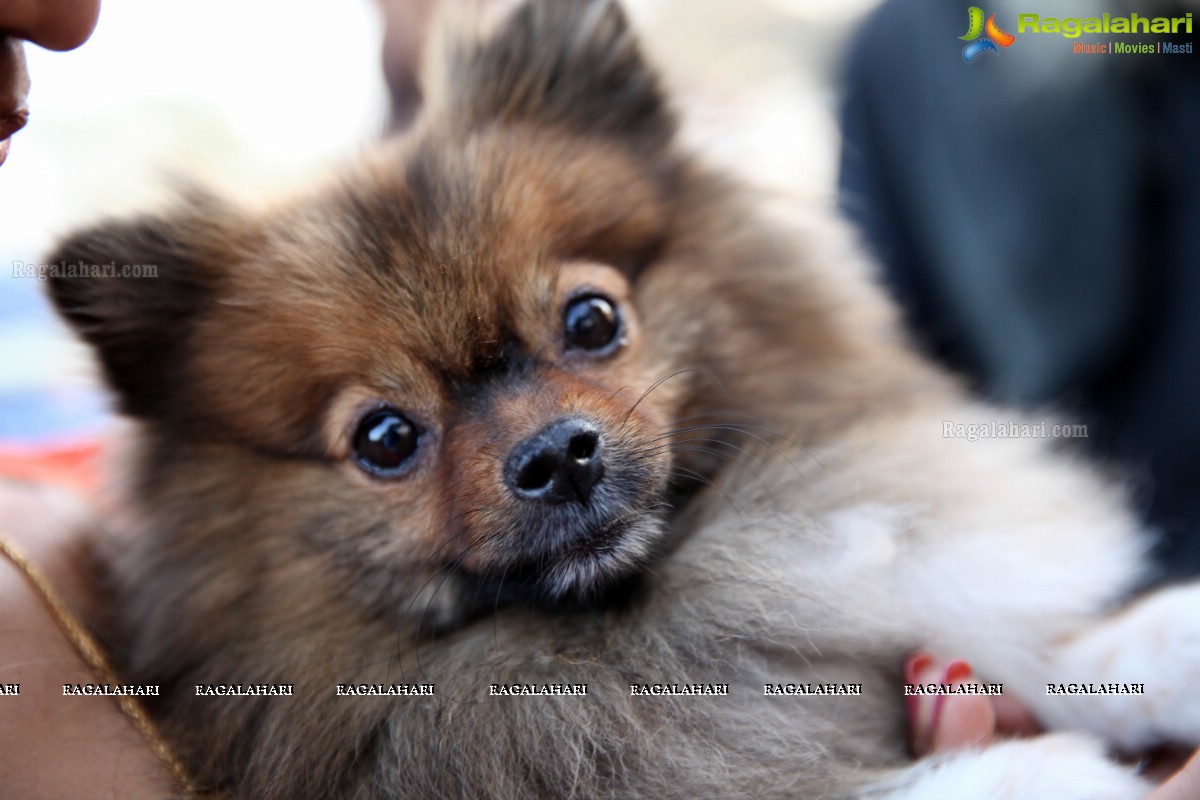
(560,464)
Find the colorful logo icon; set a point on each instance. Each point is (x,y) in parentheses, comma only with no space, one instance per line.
(977,43)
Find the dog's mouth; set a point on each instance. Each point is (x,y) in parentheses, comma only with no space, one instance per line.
(601,542)
(575,567)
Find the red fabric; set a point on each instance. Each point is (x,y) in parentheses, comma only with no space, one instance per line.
(74,465)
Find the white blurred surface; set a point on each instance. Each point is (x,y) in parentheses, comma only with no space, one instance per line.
(248,91)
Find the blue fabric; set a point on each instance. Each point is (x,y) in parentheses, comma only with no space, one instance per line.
(58,406)
(1037,213)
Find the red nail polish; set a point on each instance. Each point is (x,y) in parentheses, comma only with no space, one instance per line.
(915,665)
(957,671)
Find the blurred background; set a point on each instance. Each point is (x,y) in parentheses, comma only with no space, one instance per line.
(1036,211)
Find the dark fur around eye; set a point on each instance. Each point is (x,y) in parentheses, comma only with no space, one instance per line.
(592,323)
(385,443)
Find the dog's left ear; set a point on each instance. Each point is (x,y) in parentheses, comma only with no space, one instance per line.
(572,63)
(139,327)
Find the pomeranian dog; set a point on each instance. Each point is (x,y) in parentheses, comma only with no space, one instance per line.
(531,400)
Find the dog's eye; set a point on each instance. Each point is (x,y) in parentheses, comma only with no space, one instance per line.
(592,323)
(385,442)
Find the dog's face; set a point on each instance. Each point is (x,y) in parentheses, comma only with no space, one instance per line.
(437,365)
(454,375)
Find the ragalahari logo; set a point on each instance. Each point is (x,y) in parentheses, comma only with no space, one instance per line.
(976,43)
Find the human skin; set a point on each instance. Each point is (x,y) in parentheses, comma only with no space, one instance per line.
(976,720)
(53,24)
(53,746)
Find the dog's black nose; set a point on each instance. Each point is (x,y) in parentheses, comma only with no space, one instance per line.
(560,464)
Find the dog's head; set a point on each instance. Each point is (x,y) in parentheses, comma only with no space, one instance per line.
(463,368)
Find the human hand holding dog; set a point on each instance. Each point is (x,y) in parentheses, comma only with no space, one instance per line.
(946,723)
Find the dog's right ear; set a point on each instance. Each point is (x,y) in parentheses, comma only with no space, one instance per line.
(574,63)
(140,326)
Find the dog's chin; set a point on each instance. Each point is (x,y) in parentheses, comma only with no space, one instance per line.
(585,569)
